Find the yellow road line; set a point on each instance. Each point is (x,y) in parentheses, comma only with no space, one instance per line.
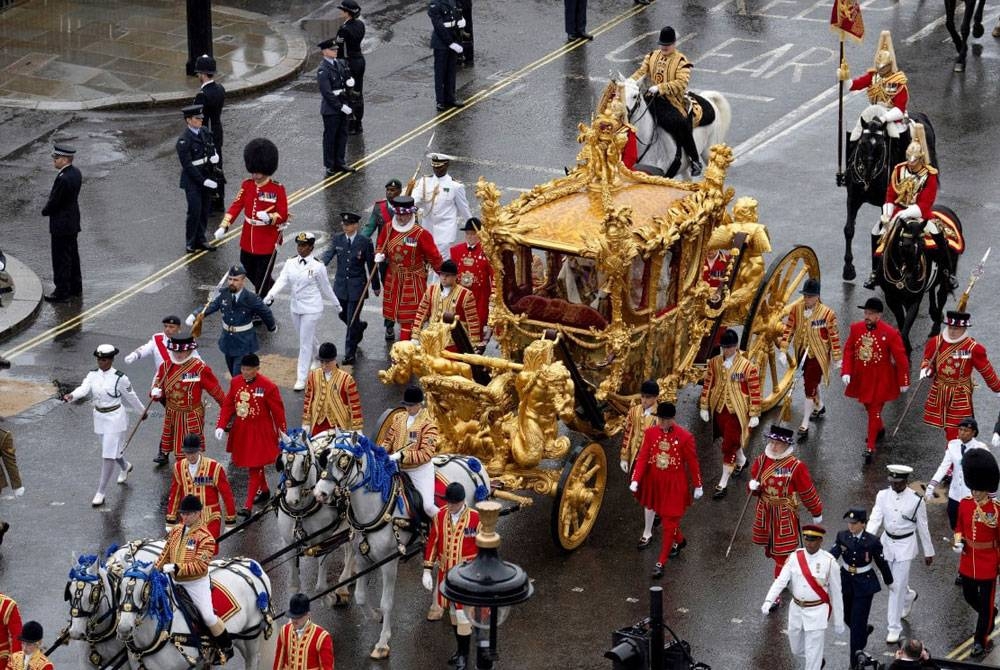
(309,191)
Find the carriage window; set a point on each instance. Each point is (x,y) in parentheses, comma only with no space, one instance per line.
(666,292)
(639,284)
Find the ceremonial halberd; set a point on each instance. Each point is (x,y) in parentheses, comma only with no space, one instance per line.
(599,286)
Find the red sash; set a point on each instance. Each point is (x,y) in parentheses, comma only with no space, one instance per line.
(811,581)
(158,341)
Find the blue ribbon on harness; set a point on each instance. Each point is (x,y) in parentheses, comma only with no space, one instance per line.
(80,571)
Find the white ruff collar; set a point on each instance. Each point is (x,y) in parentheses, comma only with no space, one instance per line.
(173,357)
(400,228)
(773,455)
(944,336)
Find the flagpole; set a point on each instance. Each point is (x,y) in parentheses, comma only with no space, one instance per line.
(840,118)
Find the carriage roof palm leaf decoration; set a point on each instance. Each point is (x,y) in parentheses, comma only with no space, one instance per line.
(599,285)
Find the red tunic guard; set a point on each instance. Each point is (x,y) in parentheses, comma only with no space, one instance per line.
(182,384)
(258,237)
(10,629)
(476,274)
(976,528)
(408,254)
(210,485)
(312,649)
(449,544)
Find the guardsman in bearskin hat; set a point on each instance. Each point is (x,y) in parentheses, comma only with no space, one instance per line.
(668,71)
(977,539)
(302,645)
(253,406)
(264,205)
(30,657)
(212,98)
(198,157)
(949,359)
(411,441)
(198,475)
(859,553)
(179,381)
(449,297)
(641,416)
(306,277)
(474,270)
(409,251)
(782,483)
(156,346)
(875,369)
(901,514)
(812,333)
(109,389)
(331,400)
(813,579)
(731,396)
(451,542)
(186,555)
(886,86)
(10,629)
(665,471)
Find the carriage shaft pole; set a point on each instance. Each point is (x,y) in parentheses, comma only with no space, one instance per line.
(840,115)
(298,543)
(252,519)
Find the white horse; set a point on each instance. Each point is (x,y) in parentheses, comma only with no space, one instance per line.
(92,593)
(655,145)
(157,635)
(300,515)
(379,512)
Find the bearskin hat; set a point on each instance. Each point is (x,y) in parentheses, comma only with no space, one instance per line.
(260,155)
(980,470)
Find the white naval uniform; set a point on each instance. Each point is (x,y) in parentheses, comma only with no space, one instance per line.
(157,348)
(807,625)
(443,209)
(903,516)
(107,389)
(953,459)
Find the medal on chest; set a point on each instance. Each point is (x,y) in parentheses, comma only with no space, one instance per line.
(867,350)
(243,403)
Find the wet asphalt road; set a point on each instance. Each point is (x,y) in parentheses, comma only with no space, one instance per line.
(776,65)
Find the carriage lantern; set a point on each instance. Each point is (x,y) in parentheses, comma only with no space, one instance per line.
(487,586)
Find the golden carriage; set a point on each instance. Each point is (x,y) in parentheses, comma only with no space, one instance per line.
(600,285)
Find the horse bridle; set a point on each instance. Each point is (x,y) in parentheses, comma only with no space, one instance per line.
(287,478)
(350,466)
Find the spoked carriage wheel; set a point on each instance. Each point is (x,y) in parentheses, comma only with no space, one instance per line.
(384,422)
(579,495)
(766,321)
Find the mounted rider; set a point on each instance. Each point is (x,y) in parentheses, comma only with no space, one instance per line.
(886,86)
(669,71)
(910,195)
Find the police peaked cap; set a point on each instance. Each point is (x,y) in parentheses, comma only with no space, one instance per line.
(455,493)
(172,319)
(350,6)
(328,44)
(260,155)
(63,150)
(191,110)
(204,64)
(298,605)
(191,504)
(980,470)
(856,515)
(191,442)
(350,217)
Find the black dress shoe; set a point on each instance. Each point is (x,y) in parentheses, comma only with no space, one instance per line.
(57,297)
(720,493)
(349,360)
(803,435)
(205,247)
(657,571)
(675,550)
(738,470)
(262,498)
(4,527)
(161,458)
(245,512)
(585,36)
(642,2)
(344,168)
(643,542)
(443,108)
(869,629)
(457,104)
(958,580)
(881,435)
(331,171)
(818,413)
(868,456)
(390,333)
(189,250)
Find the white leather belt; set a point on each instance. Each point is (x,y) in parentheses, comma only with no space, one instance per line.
(854,570)
(236,329)
(200,161)
(449,24)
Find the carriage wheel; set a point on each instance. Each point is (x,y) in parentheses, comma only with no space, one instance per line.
(766,321)
(579,495)
(383,423)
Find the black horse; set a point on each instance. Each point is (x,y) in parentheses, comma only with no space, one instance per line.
(870,161)
(961,40)
(906,272)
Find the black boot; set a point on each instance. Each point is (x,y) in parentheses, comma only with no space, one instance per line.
(462,655)
(873,278)
(943,259)
(224,644)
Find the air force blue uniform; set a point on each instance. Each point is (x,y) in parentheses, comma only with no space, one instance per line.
(238,337)
(858,558)
(355,259)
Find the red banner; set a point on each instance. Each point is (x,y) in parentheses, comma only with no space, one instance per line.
(846,19)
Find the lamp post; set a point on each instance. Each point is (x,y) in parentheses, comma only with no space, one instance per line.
(487,586)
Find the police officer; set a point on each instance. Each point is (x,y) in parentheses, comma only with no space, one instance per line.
(334,78)
(239,306)
(349,37)
(355,256)
(212,97)
(446,18)
(859,552)
(901,513)
(63,210)
(198,157)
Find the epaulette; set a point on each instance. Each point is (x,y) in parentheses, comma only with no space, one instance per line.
(119,373)
(95,369)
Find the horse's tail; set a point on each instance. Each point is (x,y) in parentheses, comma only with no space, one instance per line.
(723,114)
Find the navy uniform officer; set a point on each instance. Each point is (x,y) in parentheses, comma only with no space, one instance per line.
(859,552)
(334,78)
(198,157)
(239,305)
(349,37)
(446,18)
(355,256)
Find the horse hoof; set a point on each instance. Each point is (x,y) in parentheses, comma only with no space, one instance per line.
(849,273)
(380,653)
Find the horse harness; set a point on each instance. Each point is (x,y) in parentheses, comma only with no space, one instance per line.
(299,514)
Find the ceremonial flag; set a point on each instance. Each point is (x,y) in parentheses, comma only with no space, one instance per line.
(846,19)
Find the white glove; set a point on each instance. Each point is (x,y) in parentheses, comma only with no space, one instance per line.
(169,568)
(396,456)
(840,364)
(996,441)
(131,358)
(887,211)
(214,160)
(654,89)
(263,216)
(189,321)
(925,373)
(427,580)
(18,492)
(753,485)
(904,389)
(766,607)
(349,82)
(958,547)
(624,466)
(379,258)
(219,233)
(156,392)
(929,493)
(634,486)
(210,183)
(698,493)
(818,519)
(168,528)
(456,47)
(705,416)
(346,109)
(754,421)
(219,433)
(839,628)
(911,212)
(269,301)
(846,379)
(461,23)
(894,114)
